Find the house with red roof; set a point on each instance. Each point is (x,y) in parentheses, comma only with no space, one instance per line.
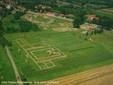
(51,13)
(91,17)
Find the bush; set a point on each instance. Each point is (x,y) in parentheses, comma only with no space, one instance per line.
(4,42)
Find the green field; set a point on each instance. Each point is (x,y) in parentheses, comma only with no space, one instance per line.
(50,54)
(81,54)
(6,70)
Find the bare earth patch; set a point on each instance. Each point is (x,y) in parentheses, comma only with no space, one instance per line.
(98,76)
(108,10)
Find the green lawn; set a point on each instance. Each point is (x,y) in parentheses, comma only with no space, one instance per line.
(6,70)
(41,54)
(81,54)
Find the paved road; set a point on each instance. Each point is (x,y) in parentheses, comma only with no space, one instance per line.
(14,66)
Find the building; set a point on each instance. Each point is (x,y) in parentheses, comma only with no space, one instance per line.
(91,17)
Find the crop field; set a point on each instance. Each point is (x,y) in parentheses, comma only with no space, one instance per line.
(47,55)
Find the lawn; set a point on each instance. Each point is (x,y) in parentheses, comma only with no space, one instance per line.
(81,54)
(6,70)
(41,54)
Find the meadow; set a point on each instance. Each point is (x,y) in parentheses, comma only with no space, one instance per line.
(31,54)
(6,70)
(81,54)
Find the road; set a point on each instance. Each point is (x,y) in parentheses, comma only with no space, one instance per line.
(18,78)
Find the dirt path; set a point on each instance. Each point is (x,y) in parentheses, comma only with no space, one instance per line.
(60,17)
(14,65)
(90,77)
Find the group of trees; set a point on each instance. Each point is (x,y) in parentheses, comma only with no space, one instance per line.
(30,4)
(18,14)
(104,22)
(3,40)
(26,26)
(21,25)
(15,24)
(98,2)
(79,19)
(77,22)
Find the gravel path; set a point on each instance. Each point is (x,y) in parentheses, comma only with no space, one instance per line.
(14,65)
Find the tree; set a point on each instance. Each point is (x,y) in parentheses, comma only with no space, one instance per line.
(4,42)
(106,22)
(26,26)
(18,14)
(87,33)
(1,31)
(77,22)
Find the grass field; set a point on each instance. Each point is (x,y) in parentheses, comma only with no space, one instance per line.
(80,54)
(6,70)
(44,53)
(56,52)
